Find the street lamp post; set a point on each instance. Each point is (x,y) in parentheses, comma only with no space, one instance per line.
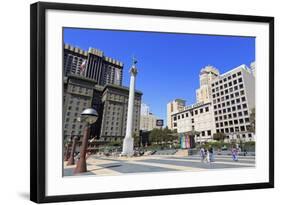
(71,157)
(89,116)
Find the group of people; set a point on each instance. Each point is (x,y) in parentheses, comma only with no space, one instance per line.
(207,155)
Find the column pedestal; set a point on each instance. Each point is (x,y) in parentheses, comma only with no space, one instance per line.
(128,147)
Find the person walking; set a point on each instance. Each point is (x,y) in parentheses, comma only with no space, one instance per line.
(234,152)
(202,154)
(206,154)
(211,154)
(208,157)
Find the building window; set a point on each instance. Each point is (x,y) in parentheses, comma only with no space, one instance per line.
(196,112)
(175,124)
(192,120)
(175,118)
(209,133)
(182,116)
(203,133)
(186,114)
(201,110)
(179,117)
(206,109)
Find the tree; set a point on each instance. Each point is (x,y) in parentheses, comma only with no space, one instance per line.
(252,127)
(155,135)
(219,136)
(136,140)
(162,136)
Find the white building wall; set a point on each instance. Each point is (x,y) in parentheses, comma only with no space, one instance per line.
(232,100)
(174,106)
(249,82)
(203,121)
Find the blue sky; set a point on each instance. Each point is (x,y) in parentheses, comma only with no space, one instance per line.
(168,64)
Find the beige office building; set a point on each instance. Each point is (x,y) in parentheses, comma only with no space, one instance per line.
(224,104)
(147,119)
(207,75)
(233,96)
(173,107)
(198,117)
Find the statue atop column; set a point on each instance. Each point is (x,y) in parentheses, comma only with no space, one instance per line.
(128,143)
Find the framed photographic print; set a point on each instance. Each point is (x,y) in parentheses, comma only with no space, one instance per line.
(129,102)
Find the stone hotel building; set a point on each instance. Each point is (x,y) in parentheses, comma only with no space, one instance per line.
(92,79)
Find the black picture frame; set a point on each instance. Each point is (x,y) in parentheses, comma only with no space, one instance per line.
(38,100)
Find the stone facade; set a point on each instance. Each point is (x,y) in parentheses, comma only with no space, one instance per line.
(110,101)
(92,64)
(115,108)
(78,95)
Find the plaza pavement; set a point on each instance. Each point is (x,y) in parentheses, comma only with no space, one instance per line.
(100,165)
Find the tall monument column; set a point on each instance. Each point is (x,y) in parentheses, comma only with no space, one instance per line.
(128,143)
